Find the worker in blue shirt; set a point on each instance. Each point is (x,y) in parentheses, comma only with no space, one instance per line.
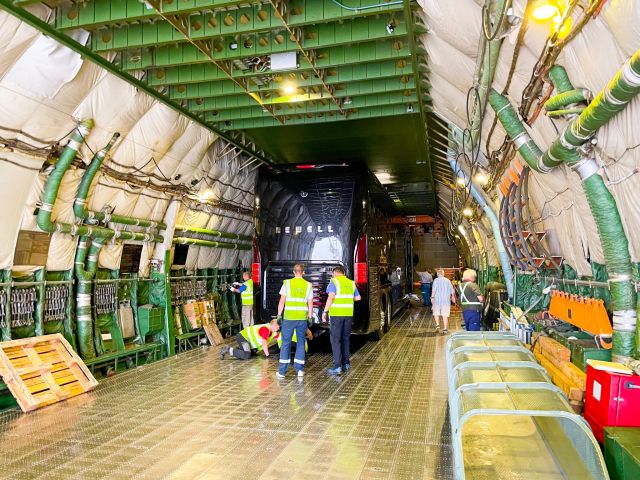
(246,292)
(342,293)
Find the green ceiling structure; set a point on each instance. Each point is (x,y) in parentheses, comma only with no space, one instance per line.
(354,61)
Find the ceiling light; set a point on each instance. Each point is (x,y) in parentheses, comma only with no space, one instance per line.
(482,178)
(462,231)
(461,182)
(206,195)
(548,9)
(383,177)
(233,45)
(409,108)
(467,212)
(289,88)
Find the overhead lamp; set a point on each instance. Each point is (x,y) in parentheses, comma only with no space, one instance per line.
(461,182)
(482,178)
(289,88)
(462,231)
(233,45)
(467,212)
(206,195)
(544,10)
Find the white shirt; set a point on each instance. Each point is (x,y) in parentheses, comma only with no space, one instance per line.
(441,291)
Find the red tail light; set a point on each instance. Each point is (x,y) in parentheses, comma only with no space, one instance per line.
(361,277)
(361,274)
(305,167)
(256,268)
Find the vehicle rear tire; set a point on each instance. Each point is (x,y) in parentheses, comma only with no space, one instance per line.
(382,327)
(389,315)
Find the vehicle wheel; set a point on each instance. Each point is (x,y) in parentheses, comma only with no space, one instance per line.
(382,327)
(388,319)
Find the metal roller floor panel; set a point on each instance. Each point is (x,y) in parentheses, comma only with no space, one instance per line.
(196,417)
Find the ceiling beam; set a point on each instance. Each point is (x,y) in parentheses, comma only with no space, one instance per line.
(343,75)
(282,11)
(246,145)
(324,105)
(315,37)
(221,17)
(205,49)
(350,89)
(333,57)
(322,117)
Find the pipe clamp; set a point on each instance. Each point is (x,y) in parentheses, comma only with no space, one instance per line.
(521,139)
(619,277)
(609,97)
(47,207)
(74,144)
(586,168)
(630,75)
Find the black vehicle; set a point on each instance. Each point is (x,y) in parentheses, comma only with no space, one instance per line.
(324,216)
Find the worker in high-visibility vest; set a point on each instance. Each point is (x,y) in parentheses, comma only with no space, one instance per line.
(254,337)
(295,309)
(246,293)
(294,339)
(471,300)
(342,293)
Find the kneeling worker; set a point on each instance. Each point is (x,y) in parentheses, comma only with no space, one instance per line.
(252,338)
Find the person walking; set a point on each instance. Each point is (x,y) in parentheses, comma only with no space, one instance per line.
(296,305)
(442,296)
(425,286)
(471,300)
(246,293)
(251,339)
(342,293)
(396,287)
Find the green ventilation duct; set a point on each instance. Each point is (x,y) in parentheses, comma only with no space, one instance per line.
(624,86)
(211,233)
(207,243)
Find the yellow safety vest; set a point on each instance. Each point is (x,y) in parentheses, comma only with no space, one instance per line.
(255,340)
(297,290)
(293,339)
(342,305)
(247,294)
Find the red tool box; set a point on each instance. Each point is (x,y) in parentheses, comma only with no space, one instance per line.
(611,400)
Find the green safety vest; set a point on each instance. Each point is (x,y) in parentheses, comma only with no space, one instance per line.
(293,339)
(251,335)
(342,305)
(297,290)
(463,298)
(247,295)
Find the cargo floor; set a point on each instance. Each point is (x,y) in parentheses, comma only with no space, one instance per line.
(196,417)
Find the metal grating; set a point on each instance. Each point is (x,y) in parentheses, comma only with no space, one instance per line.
(195,417)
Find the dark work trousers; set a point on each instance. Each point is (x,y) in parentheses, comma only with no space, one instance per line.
(425,288)
(340,334)
(471,320)
(243,350)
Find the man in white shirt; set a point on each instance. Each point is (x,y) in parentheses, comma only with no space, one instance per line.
(442,296)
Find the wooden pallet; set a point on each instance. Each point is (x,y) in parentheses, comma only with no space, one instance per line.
(211,328)
(43,370)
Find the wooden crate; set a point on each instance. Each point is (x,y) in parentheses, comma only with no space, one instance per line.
(43,370)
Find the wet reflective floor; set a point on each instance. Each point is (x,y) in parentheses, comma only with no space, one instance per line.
(196,417)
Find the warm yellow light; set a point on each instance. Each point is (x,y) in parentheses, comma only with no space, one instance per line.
(565,29)
(206,195)
(289,88)
(545,11)
(467,212)
(462,231)
(482,178)
(460,181)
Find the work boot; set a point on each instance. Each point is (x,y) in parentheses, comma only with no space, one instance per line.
(223,351)
(334,371)
(346,367)
(279,376)
(300,373)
